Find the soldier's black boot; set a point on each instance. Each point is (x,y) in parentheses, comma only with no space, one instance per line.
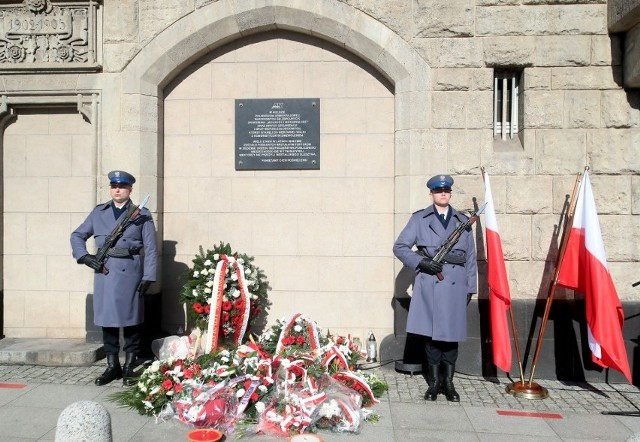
(434,386)
(113,371)
(128,373)
(449,390)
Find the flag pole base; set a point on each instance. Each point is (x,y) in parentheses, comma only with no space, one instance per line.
(527,391)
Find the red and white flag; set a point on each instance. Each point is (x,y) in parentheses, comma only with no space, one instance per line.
(584,268)
(499,293)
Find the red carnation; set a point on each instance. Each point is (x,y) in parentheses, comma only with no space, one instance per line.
(255,397)
(225,316)
(177,388)
(226,306)
(239,304)
(207,309)
(188,373)
(167,384)
(300,340)
(197,307)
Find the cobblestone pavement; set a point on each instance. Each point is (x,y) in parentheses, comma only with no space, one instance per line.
(474,391)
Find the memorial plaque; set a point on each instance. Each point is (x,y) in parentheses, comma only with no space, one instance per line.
(278,133)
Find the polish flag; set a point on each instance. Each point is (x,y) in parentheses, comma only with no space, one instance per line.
(499,293)
(584,268)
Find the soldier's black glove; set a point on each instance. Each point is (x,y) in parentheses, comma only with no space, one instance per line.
(143,287)
(469,297)
(429,266)
(90,261)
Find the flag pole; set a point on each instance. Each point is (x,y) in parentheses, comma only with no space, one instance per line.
(532,390)
(513,327)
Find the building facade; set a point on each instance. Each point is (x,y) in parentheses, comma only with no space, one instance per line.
(531,90)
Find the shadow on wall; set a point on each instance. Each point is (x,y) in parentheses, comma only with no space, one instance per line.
(1,314)
(173,273)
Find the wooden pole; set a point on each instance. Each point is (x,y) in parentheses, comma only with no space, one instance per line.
(513,324)
(552,289)
(516,343)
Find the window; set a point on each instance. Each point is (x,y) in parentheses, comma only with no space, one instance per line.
(506,104)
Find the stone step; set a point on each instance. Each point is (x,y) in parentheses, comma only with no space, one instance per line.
(52,352)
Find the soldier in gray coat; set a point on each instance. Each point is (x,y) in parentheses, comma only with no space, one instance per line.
(438,308)
(120,284)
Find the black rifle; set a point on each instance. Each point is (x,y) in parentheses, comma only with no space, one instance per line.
(445,247)
(117,232)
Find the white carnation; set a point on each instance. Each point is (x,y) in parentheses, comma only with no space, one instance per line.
(235,293)
(216,257)
(204,272)
(196,274)
(209,283)
(297,328)
(207,263)
(207,290)
(260,407)
(240,393)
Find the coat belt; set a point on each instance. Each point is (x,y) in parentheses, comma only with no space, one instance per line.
(117,252)
(449,258)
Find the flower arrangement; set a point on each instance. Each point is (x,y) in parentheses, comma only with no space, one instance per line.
(292,335)
(281,384)
(238,287)
(159,383)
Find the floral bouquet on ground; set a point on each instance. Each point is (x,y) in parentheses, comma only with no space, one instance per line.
(340,411)
(293,380)
(240,291)
(159,384)
(204,406)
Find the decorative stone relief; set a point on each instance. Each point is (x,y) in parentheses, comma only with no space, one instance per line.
(43,34)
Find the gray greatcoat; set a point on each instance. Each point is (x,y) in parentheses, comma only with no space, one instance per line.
(116,303)
(438,308)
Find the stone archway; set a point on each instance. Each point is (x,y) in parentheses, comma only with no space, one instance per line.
(222,22)
(218,24)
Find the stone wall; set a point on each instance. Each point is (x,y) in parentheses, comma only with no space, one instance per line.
(438,56)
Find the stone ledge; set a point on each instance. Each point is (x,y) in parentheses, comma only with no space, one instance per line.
(51,352)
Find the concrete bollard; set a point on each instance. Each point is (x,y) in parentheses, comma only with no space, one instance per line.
(84,421)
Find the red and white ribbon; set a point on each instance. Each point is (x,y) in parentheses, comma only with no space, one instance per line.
(217,296)
(246,299)
(349,376)
(332,353)
(215,313)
